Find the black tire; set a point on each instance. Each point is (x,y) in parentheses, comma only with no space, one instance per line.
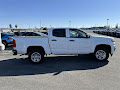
(102,50)
(5,43)
(37,52)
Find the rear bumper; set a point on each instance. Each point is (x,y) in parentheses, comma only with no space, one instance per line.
(14,52)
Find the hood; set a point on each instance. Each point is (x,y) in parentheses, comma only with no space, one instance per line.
(102,37)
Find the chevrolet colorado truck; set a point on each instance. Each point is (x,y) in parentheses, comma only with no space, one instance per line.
(63,41)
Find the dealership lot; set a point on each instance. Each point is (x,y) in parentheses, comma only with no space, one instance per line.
(65,72)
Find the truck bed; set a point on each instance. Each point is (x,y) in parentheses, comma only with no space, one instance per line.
(23,42)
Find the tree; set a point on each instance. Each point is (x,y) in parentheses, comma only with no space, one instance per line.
(16,26)
(45,28)
(10,25)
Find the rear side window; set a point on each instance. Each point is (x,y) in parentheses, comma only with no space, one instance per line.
(59,33)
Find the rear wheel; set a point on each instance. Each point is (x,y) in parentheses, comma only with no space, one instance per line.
(101,54)
(36,56)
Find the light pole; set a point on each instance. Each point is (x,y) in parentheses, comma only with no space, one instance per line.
(107,22)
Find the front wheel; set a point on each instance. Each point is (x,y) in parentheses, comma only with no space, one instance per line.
(5,43)
(101,54)
(36,56)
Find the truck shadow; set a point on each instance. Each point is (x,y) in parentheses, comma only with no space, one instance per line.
(55,65)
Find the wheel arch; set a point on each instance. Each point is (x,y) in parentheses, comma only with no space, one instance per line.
(30,48)
(108,47)
(4,41)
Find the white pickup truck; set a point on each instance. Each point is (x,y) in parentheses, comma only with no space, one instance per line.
(63,41)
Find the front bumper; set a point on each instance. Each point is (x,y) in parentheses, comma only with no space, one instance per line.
(113,49)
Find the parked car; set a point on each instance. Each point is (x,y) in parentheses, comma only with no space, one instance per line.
(103,32)
(29,34)
(64,41)
(118,34)
(6,39)
(18,33)
(33,34)
(113,33)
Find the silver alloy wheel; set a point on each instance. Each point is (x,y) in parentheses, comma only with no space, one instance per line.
(36,57)
(100,54)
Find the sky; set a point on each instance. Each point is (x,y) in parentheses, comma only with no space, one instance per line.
(59,13)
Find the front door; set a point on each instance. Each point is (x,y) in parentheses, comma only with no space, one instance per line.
(79,42)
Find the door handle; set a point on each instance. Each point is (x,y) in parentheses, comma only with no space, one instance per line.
(53,40)
(72,40)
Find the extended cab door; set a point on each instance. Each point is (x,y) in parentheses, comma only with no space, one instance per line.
(58,41)
(79,42)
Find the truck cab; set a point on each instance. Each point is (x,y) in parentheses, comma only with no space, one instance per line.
(69,41)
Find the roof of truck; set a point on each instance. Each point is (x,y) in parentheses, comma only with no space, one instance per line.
(64,28)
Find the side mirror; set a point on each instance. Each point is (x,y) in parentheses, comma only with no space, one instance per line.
(88,36)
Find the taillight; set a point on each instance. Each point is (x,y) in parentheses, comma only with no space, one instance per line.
(14,44)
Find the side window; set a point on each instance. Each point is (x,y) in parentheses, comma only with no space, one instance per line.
(74,33)
(59,33)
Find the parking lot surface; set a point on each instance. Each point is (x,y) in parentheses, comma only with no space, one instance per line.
(63,72)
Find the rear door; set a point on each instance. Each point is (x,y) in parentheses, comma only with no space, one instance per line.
(58,41)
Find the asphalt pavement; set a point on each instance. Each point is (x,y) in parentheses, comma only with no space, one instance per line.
(62,72)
